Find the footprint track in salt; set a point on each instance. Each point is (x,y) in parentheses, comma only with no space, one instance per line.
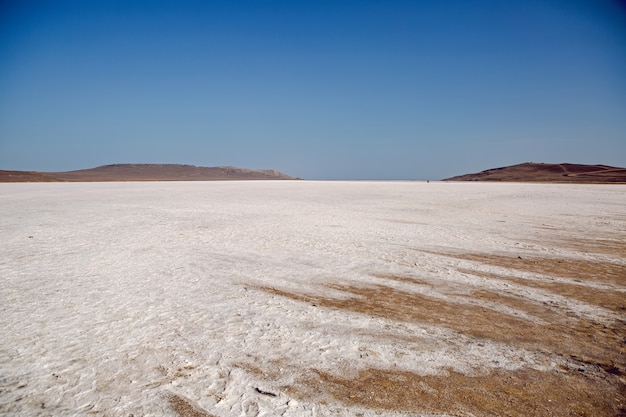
(128,292)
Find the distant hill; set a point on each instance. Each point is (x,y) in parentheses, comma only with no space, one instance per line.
(540,172)
(145,172)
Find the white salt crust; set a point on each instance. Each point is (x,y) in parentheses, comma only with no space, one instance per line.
(116,295)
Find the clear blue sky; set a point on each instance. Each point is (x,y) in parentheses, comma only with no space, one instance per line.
(420,89)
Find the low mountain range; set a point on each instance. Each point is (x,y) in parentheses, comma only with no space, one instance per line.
(525,172)
(557,173)
(145,172)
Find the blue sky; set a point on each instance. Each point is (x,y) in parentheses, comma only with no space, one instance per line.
(317,89)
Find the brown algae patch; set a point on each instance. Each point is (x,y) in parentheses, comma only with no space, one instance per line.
(555,324)
(590,382)
(592,343)
(614,300)
(588,356)
(183,407)
(610,247)
(584,270)
(525,392)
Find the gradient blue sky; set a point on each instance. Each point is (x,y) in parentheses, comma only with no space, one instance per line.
(317,89)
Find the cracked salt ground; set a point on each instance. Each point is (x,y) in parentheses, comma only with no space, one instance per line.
(296,298)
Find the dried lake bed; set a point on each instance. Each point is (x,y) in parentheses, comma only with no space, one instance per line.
(305,298)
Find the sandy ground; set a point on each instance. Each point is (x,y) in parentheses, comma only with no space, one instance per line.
(312,299)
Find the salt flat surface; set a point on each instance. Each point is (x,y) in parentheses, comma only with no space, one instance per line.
(114,296)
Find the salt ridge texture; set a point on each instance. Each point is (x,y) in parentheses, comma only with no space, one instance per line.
(117,295)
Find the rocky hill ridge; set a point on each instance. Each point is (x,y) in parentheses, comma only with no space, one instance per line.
(145,172)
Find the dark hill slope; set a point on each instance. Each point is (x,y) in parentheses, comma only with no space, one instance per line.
(25,176)
(145,172)
(540,172)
